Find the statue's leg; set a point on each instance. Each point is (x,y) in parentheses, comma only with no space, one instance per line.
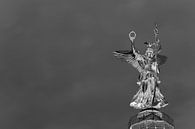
(147,97)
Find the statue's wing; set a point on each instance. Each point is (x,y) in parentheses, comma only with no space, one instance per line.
(128,56)
(124,51)
(124,55)
(161,59)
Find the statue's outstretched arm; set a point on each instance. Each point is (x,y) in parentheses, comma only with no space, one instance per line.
(138,56)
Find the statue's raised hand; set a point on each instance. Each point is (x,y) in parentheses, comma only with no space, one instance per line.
(132,36)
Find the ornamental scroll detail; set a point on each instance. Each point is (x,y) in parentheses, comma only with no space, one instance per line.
(147,64)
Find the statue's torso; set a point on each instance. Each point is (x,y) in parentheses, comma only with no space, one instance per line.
(150,67)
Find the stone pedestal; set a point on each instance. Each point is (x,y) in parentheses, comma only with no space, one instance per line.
(151,119)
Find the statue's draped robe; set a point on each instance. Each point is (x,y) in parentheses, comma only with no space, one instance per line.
(149,94)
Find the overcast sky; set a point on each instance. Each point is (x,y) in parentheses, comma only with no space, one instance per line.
(57,70)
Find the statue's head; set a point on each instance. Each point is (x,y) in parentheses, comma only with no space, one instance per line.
(150,52)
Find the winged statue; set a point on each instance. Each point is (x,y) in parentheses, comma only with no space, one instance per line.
(147,64)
